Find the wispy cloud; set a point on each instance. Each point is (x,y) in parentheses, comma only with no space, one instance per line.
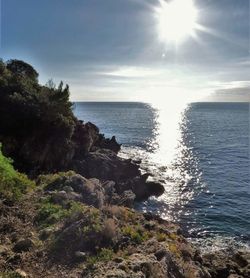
(134,72)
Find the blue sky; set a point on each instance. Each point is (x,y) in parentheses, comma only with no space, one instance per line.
(110,50)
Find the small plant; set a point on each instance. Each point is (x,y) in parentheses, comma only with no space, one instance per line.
(109,229)
(45,180)
(104,255)
(161,237)
(12,183)
(93,222)
(49,214)
(173,249)
(135,233)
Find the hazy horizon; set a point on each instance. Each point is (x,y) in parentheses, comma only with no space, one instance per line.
(133,50)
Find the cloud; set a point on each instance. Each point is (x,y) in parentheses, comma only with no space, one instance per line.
(236,94)
(134,72)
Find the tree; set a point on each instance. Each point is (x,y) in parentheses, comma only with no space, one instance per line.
(21,68)
(36,122)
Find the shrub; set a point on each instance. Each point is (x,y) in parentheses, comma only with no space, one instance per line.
(50,213)
(104,255)
(161,237)
(135,233)
(12,183)
(109,229)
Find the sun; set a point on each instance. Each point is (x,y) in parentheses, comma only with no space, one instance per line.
(176,19)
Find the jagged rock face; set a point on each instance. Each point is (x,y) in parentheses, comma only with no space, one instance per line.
(106,165)
(74,187)
(223,264)
(86,137)
(41,153)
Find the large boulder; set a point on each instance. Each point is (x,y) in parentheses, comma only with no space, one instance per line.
(75,187)
(141,187)
(105,165)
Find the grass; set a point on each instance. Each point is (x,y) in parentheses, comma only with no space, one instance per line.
(135,233)
(105,255)
(161,237)
(10,274)
(50,213)
(12,183)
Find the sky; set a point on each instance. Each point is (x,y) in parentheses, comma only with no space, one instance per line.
(112,50)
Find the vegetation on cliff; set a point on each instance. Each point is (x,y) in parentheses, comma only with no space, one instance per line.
(12,183)
(80,223)
(36,121)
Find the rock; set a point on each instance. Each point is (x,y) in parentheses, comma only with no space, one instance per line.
(14,236)
(141,188)
(14,259)
(84,137)
(59,197)
(222,264)
(150,225)
(106,165)
(23,245)
(155,189)
(88,191)
(45,233)
(21,273)
(80,256)
(68,189)
(3,250)
(173,269)
(197,256)
(161,254)
(110,192)
(118,260)
(110,144)
(137,161)
(62,197)
(127,199)
(240,259)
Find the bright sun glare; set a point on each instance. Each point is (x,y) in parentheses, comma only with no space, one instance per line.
(177,19)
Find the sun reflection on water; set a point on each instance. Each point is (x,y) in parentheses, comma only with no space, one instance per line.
(171,162)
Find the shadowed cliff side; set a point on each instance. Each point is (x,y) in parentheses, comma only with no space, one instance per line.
(40,133)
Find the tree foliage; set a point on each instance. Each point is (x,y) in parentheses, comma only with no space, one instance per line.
(36,121)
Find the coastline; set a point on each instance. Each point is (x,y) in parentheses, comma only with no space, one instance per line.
(130,243)
(67,198)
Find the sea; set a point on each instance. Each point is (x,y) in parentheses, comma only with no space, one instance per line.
(199,152)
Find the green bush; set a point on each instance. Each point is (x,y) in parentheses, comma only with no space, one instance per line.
(50,213)
(12,183)
(136,233)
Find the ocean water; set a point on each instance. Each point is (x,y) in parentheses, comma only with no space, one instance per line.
(199,151)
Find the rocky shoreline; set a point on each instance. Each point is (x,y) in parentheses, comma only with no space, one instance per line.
(82,223)
(67,198)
